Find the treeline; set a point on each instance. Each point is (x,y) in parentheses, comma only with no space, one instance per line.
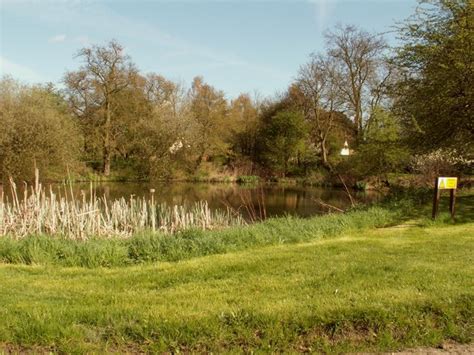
(389,104)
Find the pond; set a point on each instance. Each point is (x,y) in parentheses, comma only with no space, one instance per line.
(271,199)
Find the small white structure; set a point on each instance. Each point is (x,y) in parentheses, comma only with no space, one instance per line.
(176,146)
(345,150)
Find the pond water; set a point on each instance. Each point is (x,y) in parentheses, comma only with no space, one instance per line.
(271,199)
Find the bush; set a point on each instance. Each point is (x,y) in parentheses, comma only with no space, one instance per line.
(284,135)
(440,162)
(248,179)
(36,132)
(377,159)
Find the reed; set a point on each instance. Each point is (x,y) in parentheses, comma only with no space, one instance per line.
(45,211)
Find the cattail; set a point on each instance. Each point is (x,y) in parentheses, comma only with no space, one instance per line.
(84,217)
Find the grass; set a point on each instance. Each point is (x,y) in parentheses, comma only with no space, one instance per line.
(152,247)
(376,290)
(383,278)
(146,246)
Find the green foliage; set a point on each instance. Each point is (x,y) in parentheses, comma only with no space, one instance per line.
(207,126)
(37,131)
(361,185)
(145,127)
(151,127)
(376,158)
(284,137)
(382,151)
(248,179)
(436,92)
(383,126)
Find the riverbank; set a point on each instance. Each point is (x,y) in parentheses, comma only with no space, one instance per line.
(153,247)
(319,178)
(381,289)
(150,246)
(384,278)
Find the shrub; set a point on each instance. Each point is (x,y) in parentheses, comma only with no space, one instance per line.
(440,162)
(248,179)
(36,132)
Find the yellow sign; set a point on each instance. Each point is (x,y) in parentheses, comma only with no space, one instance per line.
(447,183)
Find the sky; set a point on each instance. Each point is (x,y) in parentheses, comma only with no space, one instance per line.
(237,46)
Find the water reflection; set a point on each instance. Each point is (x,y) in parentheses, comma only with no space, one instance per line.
(277,200)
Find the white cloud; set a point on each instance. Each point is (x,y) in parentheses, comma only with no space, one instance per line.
(18,71)
(57,38)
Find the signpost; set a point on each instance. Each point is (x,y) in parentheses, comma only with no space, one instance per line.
(445,183)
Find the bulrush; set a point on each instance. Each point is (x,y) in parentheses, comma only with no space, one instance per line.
(44,211)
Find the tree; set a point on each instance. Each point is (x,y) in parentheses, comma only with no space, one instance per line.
(92,91)
(318,83)
(283,137)
(244,120)
(436,91)
(358,55)
(208,125)
(382,150)
(37,132)
(150,116)
(165,127)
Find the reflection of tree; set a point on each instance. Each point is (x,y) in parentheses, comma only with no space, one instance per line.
(273,200)
(252,204)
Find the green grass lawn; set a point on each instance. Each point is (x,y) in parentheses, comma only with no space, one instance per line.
(368,290)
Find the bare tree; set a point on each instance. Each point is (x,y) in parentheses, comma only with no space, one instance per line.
(357,55)
(91,90)
(318,80)
(379,92)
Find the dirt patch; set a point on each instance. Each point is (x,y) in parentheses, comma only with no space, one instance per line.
(446,348)
(18,349)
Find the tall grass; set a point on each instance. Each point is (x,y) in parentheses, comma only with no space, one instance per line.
(148,247)
(39,211)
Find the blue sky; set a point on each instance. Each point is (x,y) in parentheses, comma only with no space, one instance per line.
(237,46)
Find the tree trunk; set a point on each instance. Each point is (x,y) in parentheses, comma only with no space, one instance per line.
(324,149)
(107,145)
(358,122)
(107,160)
(199,160)
(324,153)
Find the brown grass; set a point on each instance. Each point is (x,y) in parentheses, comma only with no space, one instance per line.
(44,211)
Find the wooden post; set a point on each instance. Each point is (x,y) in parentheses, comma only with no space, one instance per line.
(452,200)
(435,200)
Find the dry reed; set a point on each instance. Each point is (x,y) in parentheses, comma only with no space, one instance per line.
(42,211)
